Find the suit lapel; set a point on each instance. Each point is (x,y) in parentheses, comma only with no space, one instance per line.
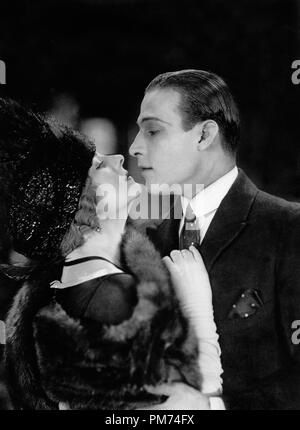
(164,234)
(229,220)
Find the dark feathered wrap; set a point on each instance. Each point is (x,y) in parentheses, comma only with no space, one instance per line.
(51,357)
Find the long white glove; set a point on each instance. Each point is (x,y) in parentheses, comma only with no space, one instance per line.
(191,283)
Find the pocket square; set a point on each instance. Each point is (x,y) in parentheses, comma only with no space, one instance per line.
(246,305)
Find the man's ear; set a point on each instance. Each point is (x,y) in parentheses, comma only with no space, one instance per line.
(207,132)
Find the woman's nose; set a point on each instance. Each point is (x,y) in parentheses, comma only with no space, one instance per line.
(117,160)
(120,160)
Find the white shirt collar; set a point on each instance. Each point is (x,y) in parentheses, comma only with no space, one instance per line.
(210,198)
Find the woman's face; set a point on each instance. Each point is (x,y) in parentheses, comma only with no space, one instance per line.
(115,190)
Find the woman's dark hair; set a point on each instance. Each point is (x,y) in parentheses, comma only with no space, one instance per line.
(84,221)
(204,95)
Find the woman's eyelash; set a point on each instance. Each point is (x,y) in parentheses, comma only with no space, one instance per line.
(153,132)
(99,164)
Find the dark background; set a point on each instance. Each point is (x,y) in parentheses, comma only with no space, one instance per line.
(104,53)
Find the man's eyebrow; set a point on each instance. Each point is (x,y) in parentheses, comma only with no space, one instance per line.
(152,118)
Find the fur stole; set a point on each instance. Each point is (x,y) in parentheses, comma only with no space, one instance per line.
(52,358)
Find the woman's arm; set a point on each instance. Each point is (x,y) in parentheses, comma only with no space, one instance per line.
(191,282)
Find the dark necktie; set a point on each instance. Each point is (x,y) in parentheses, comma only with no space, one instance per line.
(190,233)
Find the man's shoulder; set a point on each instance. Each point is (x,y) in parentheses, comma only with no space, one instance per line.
(263,203)
(269,211)
(271,204)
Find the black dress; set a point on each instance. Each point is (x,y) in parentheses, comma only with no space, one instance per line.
(109,299)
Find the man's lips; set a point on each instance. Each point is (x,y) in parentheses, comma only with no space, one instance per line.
(145,170)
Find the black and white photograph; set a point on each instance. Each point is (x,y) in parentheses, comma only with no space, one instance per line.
(149,207)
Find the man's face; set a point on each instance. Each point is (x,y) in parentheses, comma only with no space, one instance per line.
(166,153)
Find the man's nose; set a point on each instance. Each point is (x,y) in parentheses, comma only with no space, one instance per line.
(136,147)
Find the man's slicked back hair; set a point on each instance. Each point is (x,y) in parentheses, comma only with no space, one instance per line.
(204,95)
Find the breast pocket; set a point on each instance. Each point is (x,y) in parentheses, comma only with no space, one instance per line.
(246,317)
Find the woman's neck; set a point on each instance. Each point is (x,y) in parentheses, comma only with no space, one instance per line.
(105,243)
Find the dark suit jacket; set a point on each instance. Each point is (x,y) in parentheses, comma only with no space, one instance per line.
(252,247)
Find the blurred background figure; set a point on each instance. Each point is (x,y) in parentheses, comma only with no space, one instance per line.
(103,133)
